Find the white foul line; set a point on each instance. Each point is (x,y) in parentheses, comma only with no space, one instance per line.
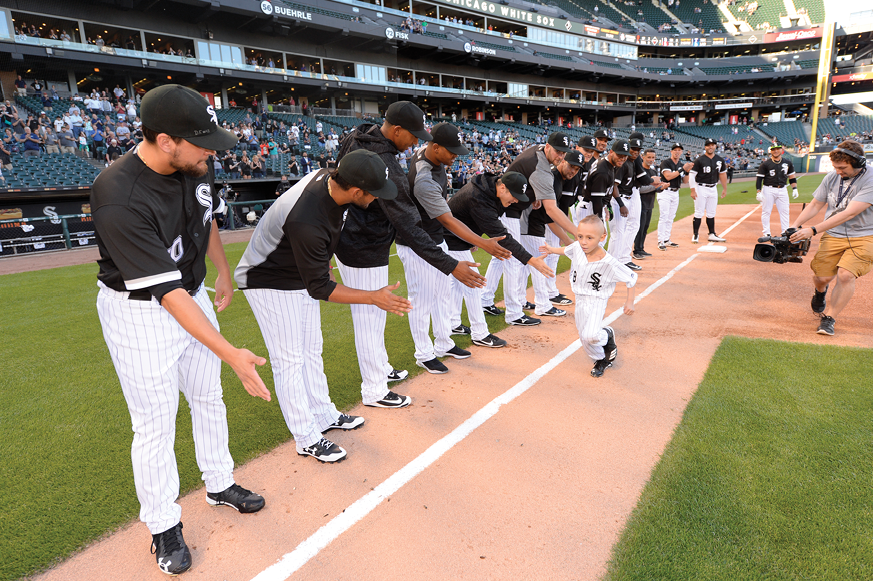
(293,561)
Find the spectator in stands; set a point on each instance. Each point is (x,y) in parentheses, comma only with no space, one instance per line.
(46,102)
(5,152)
(113,152)
(258,166)
(65,37)
(50,140)
(98,138)
(305,164)
(245,166)
(67,139)
(21,86)
(118,92)
(74,120)
(30,143)
(122,132)
(293,167)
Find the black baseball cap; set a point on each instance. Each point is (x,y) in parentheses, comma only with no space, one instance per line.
(447,135)
(182,112)
(517,185)
(635,143)
(560,141)
(601,134)
(574,158)
(366,170)
(637,135)
(676,145)
(709,141)
(588,142)
(621,147)
(409,116)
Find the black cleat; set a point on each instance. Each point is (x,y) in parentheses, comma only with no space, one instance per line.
(434,366)
(525,321)
(346,422)
(600,367)
(818,300)
(170,551)
(492,310)
(610,350)
(528,306)
(461,330)
(490,341)
(391,400)
(236,497)
(398,375)
(324,451)
(561,301)
(457,353)
(554,312)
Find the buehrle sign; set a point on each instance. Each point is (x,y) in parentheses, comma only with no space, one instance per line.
(268,9)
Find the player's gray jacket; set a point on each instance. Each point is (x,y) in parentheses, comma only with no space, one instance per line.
(368,234)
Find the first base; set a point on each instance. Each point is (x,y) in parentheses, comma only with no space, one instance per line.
(713,249)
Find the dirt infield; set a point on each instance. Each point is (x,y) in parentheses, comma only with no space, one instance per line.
(542,489)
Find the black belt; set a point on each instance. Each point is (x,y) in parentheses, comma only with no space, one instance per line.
(707,185)
(627,197)
(144,295)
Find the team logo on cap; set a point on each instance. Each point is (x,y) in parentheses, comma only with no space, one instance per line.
(624,146)
(523,188)
(566,141)
(212,116)
(386,173)
(424,118)
(266,7)
(204,198)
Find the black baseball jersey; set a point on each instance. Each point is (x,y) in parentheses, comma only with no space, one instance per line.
(775,174)
(567,194)
(641,176)
(294,241)
(601,179)
(671,165)
(583,178)
(478,207)
(624,178)
(152,230)
(708,169)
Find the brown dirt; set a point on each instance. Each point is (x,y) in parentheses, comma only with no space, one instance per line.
(541,490)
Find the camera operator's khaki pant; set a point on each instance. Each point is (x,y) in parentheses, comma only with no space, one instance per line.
(852,254)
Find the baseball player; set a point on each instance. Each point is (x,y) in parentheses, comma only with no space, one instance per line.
(708,169)
(152,212)
(673,171)
(588,146)
(479,205)
(600,184)
(541,229)
(647,203)
(593,276)
(429,290)
(626,224)
(602,142)
(285,271)
(365,243)
(774,173)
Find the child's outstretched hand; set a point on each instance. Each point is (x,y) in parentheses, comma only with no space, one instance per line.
(629,308)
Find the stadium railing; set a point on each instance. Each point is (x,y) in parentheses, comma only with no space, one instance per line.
(28,235)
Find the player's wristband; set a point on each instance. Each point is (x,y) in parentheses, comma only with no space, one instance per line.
(814,231)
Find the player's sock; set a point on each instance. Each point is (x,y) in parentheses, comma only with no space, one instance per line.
(710,224)
(696,226)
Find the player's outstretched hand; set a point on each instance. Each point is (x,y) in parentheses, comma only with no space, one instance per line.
(466,273)
(492,246)
(244,365)
(539,263)
(223,292)
(385,299)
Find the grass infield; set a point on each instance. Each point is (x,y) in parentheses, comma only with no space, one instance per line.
(64,428)
(766,477)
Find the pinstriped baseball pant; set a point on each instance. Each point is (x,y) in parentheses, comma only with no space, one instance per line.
(540,282)
(155,358)
(511,270)
(369,323)
(589,324)
(461,292)
(429,291)
(668,203)
(778,196)
(290,322)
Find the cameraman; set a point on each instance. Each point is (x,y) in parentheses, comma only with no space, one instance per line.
(846,249)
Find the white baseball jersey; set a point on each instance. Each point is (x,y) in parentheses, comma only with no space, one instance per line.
(596,278)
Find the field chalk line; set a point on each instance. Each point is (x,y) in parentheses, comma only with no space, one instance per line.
(291,562)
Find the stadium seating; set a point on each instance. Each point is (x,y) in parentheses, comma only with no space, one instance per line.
(766,14)
(607,64)
(557,57)
(607,11)
(722,132)
(815,9)
(786,132)
(50,171)
(652,15)
(568,6)
(737,70)
(709,15)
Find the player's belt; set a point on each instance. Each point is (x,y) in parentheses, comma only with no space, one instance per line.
(672,190)
(705,185)
(144,295)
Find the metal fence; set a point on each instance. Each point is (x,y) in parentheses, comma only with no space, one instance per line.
(27,235)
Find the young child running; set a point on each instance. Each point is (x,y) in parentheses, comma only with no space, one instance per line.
(593,277)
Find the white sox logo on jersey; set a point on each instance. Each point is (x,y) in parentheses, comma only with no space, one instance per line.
(595,281)
(204,198)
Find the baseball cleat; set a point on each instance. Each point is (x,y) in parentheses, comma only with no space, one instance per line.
(528,306)
(672,244)
(818,300)
(525,321)
(398,375)
(324,451)
(237,497)
(713,237)
(638,256)
(610,350)
(170,551)
(457,353)
(560,300)
(492,310)
(461,330)
(694,239)
(345,422)
(553,312)
(662,246)
(633,266)
(391,400)
(826,326)
(434,366)
(644,253)
(600,366)
(490,341)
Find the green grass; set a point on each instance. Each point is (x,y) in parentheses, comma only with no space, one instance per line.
(64,428)
(766,477)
